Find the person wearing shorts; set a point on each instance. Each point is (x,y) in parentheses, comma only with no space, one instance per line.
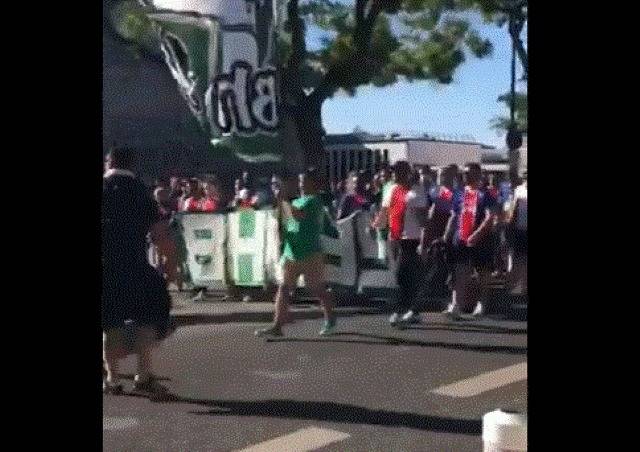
(471,222)
(302,255)
(135,301)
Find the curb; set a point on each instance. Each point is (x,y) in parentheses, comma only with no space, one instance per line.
(188,319)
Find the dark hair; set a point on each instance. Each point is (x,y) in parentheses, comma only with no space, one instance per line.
(121,157)
(313,175)
(402,168)
(474,167)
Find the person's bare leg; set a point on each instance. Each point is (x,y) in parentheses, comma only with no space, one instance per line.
(281,305)
(145,363)
(112,351)
(327,301)
(144,352)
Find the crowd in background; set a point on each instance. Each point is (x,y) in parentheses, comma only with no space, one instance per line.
(359,191)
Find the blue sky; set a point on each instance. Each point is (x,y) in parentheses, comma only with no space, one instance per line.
(462,108)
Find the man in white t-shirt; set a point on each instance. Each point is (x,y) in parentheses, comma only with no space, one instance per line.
(517,219)
(404,209)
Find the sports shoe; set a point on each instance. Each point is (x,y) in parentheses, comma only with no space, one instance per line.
(329,328)
(411,317)
(151,386)
(453,312)
(394,319)
(273,330)
(111,388)
(478,311)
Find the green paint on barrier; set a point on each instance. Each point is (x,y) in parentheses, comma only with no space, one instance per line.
(247,222)
(245,268)
(202,234)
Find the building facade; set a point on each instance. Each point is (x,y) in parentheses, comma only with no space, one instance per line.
(351,152)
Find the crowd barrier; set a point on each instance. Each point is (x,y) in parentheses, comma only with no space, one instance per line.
(375,269)
(342,267)
(246,247)
(205,239)
(243,248)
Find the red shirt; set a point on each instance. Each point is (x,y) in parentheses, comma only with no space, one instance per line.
(468,216)
(209,205)
(397,208)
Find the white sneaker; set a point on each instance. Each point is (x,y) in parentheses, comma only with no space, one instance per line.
(394,319)
(453,312)
(478,311)
(411,317)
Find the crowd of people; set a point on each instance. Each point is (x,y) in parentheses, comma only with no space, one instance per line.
(359,191)
(205,194)
(455,228)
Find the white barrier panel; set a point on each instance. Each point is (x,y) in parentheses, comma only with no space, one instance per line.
(504,431)
(272,265)
(375,273)
(342,266)
(204,236)
(246,247)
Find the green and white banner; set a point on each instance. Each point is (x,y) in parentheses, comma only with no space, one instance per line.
(374,272)
(273,267)
(342,266)
(246,246)
(222,56)
(205,236)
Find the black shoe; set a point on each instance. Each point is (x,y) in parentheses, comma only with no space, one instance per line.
(110,388)
(151,386)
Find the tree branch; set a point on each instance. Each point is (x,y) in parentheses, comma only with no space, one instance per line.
(362,41)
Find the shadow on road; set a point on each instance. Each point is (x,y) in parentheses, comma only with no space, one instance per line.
(334,412)
(385,340)
(467,328)
(132,377)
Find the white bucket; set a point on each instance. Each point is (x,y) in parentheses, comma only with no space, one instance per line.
(504,431)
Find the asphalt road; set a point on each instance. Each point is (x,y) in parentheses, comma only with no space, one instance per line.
(369,388)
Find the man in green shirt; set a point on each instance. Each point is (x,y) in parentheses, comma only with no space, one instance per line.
(302,255)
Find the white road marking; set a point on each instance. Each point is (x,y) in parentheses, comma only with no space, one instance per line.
(488,381)
(118,423)
(277,375)
(304,440)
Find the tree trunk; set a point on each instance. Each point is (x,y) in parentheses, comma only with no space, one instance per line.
(514,164)
(308,124)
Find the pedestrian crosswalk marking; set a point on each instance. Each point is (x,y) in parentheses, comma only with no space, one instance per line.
(304,440)
(487,381)
(118,423)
